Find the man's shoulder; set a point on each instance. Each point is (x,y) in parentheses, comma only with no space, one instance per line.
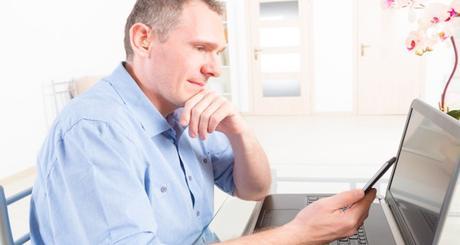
(100,104)
(97,112)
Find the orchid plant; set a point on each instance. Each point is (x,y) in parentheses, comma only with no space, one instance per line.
(437,23)
(415,4)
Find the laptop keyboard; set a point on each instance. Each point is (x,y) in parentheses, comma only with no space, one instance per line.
(357,239)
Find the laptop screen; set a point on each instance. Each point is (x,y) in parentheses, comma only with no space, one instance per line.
(427,162)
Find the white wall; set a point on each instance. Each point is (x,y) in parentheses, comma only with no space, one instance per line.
(43,41)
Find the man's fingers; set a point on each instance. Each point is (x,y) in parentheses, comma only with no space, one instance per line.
(197,111)
(344,199)
(219,115)
(204,112)
(355,215)
(360,210)
(185,117)
(206,116)
(366,202)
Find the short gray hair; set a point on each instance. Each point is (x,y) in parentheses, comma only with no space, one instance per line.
(162,15)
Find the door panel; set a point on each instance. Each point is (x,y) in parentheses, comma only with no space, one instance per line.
(389,77)
(279,57)
(331,56)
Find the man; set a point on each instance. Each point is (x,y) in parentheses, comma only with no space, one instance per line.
(135,159)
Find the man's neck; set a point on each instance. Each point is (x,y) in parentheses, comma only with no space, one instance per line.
(161,104)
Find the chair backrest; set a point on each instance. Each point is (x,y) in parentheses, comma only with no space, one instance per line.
(80,85)
(5,229)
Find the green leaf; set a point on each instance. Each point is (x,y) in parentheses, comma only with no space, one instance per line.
(455,114)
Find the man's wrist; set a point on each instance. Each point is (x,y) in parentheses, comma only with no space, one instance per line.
(242,130)
(297,234)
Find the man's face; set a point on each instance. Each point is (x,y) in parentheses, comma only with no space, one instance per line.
(180,67)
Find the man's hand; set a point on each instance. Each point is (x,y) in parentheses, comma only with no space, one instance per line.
(331,218)
(321,222)
(207,112)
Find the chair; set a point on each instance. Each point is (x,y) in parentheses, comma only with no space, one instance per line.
(80,85)
(5,229)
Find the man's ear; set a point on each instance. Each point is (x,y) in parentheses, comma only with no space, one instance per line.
(140,37)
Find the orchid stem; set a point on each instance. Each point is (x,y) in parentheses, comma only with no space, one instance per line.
(443,97)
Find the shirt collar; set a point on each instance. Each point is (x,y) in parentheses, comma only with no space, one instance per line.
(173,121)
(132,96)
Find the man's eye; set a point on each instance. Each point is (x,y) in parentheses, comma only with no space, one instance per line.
(200,48)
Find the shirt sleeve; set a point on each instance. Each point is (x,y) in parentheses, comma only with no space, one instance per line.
(222,159)
(95,192)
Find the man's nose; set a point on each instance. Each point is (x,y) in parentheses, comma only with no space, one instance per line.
(212,68)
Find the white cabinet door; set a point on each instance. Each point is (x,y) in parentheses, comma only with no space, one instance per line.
(389,77)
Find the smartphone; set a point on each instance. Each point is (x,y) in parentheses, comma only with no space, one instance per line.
(379,174)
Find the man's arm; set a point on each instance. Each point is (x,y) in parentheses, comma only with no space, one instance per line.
(323,221)
(251,172)
(207,112)
(319,223)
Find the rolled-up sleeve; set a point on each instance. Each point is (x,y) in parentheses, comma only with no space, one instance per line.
(222,160)
(95,190)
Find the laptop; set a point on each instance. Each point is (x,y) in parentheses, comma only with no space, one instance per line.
(418,194)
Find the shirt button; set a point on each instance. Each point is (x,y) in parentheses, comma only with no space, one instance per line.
(163,189)
(205,160)
(197,213)
(189,178)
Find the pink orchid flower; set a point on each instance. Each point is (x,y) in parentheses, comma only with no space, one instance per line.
(437,23)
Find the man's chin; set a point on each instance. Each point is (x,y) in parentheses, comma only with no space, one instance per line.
(190,94)
(184,100)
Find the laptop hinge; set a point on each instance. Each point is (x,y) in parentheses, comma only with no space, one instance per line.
(391,222)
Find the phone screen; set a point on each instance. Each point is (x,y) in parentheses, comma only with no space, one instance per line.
(379,174)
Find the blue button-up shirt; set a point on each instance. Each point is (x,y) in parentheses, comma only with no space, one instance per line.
(114,170)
